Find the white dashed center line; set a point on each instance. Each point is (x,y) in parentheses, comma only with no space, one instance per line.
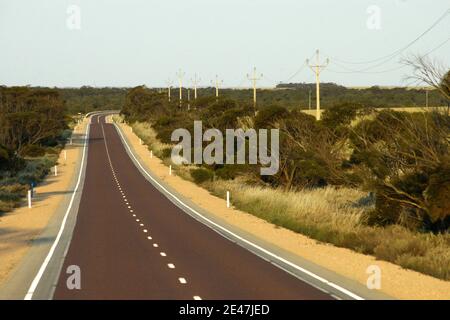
(182,280)
(124,198)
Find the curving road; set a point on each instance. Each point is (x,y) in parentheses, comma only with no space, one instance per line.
(131,242)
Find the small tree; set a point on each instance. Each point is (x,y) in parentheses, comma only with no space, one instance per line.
(431,72)
(406,160)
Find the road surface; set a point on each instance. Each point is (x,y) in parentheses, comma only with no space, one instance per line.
(131,242)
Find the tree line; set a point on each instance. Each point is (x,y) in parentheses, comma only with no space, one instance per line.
(303,95)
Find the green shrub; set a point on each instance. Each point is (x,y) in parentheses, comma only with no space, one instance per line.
(33,150)
(6,206)
(36,169)
(227,172)
(166,153)
(201,175)
(13,193)
(268,115)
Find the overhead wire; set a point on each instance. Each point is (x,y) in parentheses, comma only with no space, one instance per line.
(387,58)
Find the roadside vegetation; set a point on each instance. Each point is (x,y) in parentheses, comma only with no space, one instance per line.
(33,129)
(377,182)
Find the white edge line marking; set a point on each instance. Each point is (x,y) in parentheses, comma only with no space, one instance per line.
(273,255)
(44,265)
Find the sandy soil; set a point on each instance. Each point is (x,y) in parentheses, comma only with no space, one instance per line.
(395,281)
(19,227)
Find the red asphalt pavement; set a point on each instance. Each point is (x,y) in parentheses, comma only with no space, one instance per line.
(131,242)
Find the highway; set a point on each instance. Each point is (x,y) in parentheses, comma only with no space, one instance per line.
(131,242)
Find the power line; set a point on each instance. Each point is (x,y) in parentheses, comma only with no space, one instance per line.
(388,57)
(438,47)
(298,71)
(348,70)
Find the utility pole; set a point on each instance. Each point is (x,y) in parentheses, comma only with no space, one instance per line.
(189,98)
(180,75)
(169,85)
(195,82)
(317,68)
(253,78)
(217,83)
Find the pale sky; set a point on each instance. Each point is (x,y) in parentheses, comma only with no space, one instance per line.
(134,42)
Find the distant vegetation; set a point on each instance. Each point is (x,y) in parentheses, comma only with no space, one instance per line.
(87,99)
(296,96)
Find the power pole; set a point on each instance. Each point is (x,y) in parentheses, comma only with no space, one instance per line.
(217,83)
(180,75)
(189,98)
(195,82)
(317,69)
(169,85)
(253,78)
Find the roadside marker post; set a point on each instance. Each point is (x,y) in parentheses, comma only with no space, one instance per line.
(29,199)
(56,170)
(151,154)
(140,141)
(228,199)
(170,170)
(65,155)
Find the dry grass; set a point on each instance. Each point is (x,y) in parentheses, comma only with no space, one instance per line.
(332,215)
(330,206)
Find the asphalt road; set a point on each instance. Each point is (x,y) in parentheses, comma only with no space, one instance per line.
(131,242)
